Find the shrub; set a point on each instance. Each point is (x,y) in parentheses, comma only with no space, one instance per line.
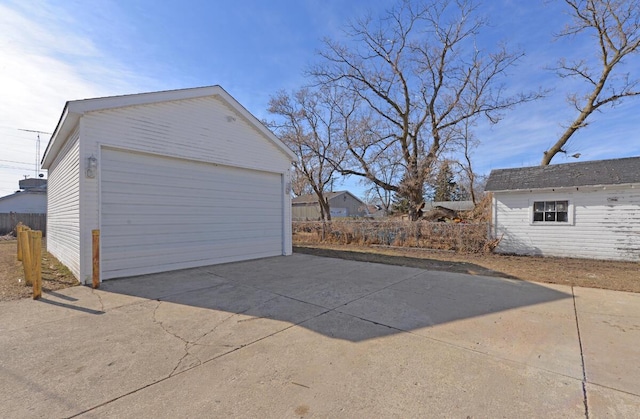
(460,237)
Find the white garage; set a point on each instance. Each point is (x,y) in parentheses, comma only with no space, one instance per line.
(171,180)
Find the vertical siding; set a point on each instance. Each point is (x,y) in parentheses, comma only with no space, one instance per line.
(606,224)
(63,206)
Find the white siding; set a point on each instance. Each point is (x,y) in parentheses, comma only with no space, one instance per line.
(204,129)
(606,224)
(161,214)
(63,206)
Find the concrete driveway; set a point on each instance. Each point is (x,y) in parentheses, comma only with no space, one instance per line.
(305,336)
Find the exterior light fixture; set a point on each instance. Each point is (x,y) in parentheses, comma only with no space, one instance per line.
(92,167)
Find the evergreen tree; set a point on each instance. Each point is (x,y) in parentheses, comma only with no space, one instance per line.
(446,187)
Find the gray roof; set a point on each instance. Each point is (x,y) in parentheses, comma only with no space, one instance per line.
(42,190)
(313,198)
(590,173)
(452,205)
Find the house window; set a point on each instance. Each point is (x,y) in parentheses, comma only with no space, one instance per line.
(551,211)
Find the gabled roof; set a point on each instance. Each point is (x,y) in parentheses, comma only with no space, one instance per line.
(73,110)
(590,173)
(313,198)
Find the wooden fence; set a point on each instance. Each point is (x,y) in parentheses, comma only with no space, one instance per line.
(460,237)
(9,221)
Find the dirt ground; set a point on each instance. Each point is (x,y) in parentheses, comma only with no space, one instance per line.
(618,276)
(55,276)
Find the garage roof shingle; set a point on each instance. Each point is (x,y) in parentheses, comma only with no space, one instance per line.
(591,173)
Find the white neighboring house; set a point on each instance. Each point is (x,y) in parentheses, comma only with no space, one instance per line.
(171,179)
(585,210)
(28,201)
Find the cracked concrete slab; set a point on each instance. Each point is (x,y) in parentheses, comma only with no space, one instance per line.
(491,315)
(609,403)
(52,307)
(303,336)
(159,285)
(63,366)
(300,373)
(610,329)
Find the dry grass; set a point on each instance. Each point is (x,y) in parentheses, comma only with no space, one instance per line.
(55,275)
(459,237)
(612,275)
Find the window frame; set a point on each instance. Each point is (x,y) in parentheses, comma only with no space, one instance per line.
(545,202)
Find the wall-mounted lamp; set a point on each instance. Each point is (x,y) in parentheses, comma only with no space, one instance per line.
(92,167)
(287,188)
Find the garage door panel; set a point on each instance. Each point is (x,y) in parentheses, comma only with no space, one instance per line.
(182,238)
(130,211)
(145,173)
(162,213)
(141,224)
(115,231)
(188,257)
(208,205)
(226,190)
(122,179)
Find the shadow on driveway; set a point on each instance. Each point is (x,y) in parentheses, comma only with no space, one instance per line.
(298,288)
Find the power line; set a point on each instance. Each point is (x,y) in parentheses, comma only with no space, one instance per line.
(37,147)
(13,161)
(4,166)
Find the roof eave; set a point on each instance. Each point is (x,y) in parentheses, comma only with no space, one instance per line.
(66,124)
(73,110)
(567,188)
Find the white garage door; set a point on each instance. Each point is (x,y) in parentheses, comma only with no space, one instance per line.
(160,214)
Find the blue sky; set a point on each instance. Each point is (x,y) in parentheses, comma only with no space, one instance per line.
(54,51)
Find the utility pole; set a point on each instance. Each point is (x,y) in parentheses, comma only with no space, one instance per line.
(37,147)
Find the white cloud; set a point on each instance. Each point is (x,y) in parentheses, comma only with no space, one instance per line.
(45,60)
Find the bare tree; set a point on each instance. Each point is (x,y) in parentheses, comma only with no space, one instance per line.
(419,74)
(466,143)
(387,169)
(310,126)
(615,24)
(300,184)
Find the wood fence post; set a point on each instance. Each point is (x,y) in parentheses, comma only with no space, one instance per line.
(19,228)
(35,242)
(96,258)
(26,257)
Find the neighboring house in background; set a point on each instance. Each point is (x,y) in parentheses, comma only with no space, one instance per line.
(342,204)
(171,180)
(586,210)
(377,212)
(32,199)
(32,183)
(452,205)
